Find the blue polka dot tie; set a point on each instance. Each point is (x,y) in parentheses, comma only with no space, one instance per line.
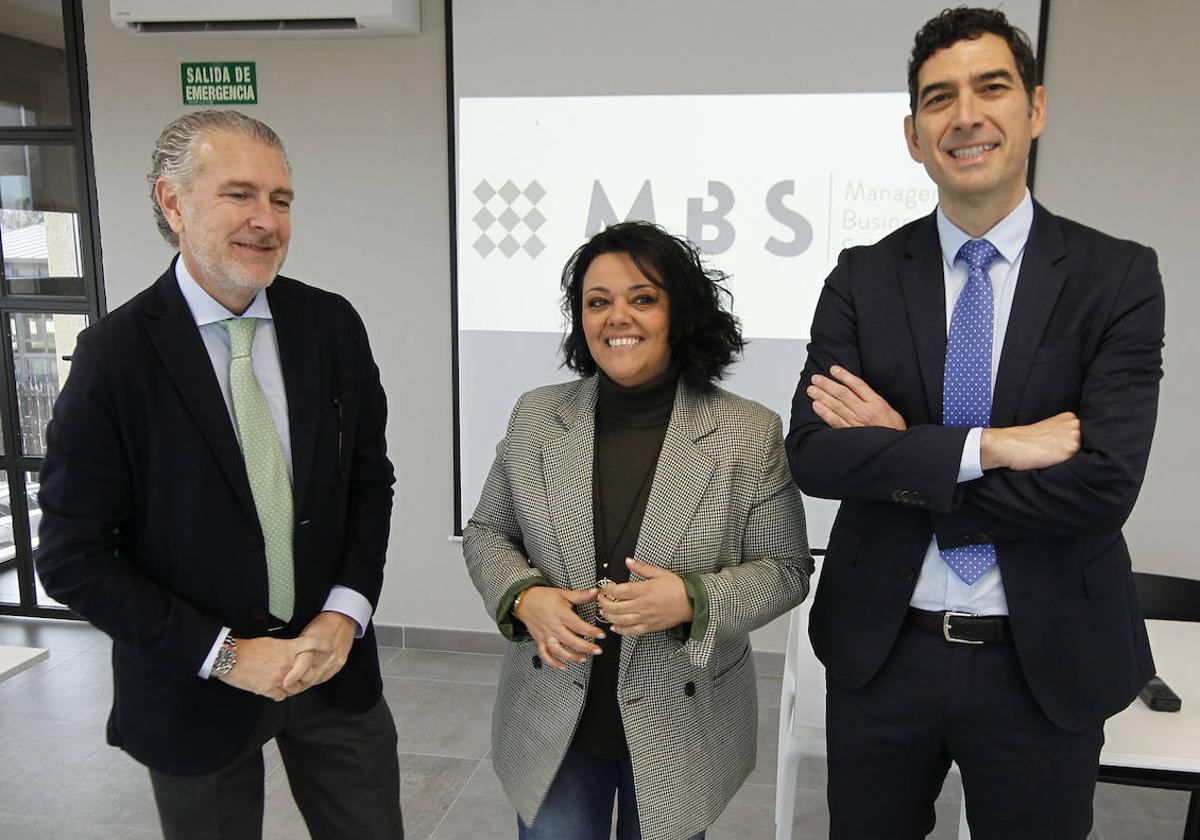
(263,454)
(967,385)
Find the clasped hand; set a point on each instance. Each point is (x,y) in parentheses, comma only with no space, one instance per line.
(659,602)
(562,636)
(280,668)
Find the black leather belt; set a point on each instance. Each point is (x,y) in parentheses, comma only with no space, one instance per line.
(961,627)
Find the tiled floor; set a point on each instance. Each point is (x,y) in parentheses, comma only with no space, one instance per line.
(58,778)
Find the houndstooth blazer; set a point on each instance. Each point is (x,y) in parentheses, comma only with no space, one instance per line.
(722,505)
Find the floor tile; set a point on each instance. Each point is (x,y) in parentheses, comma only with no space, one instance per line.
(20,827)
(768,748)
(55,635)
(470,699)
(387,654)
(281,817)
(481,810)
(1132,801)
(450,667)
(429,785)
(80,689)
(430,731)
(111,792)
(750,815)
(769,689)
(1140,828)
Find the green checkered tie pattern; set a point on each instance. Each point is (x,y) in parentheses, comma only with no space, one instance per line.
(265,468)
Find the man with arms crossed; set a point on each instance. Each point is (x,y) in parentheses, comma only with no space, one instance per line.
(980,390)
(216,497)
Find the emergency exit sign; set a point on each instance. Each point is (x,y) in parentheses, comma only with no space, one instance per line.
(219,83)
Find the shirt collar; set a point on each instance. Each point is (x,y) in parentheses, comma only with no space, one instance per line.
(205,308)
(1009,235)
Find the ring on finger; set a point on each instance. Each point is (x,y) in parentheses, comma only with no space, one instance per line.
(552,640)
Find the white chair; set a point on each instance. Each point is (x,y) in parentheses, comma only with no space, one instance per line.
(801,712)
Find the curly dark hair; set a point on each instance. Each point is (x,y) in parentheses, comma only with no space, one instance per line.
(966,24)
(704,336)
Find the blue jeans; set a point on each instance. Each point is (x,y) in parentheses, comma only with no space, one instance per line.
(579,804)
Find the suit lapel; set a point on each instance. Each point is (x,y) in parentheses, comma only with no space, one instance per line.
(923,284)
(567,463)
(299,357)
(177,341)
(1038,287)
(680,481)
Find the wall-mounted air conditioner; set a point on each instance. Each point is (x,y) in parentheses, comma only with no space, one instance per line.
(269,17)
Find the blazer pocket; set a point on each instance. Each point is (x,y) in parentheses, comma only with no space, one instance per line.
(345,407)
(1104,576)
(729,670)
(843,544)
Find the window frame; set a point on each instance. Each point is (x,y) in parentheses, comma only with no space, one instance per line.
(13,462)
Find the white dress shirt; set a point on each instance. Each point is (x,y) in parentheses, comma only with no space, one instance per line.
(938,587)
(264,358)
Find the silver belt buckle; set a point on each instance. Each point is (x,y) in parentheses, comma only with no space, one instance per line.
(946,616)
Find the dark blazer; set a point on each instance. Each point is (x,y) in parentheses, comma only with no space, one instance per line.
(148,525)
(1084,335)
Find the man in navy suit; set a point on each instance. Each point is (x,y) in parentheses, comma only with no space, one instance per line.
(980,392)
(216,497)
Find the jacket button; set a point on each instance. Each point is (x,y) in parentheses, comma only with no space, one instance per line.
(907,573)
(689,689)
(537,661)
(253,542)
(258,613)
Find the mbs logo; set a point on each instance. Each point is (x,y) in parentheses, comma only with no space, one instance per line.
(508,219)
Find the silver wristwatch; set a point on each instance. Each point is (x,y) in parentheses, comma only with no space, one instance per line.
(226,657)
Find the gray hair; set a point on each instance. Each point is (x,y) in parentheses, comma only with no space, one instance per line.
(174,155)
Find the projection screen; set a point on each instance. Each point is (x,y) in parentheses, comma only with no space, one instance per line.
(769,132)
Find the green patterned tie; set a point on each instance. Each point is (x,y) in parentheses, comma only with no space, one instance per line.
(265,468)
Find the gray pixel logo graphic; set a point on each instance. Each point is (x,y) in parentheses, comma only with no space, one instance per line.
(508,219)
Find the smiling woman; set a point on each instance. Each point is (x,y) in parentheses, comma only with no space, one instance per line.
(702,337)
(636,525)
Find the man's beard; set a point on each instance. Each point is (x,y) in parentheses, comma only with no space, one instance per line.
(230,275)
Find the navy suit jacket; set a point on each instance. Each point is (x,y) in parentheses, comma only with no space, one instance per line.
(148,524)
(1085,335)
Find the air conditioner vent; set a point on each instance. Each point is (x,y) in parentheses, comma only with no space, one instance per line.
(299,25)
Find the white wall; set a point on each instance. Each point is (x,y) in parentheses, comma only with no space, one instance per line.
(364,120)
(1123,115)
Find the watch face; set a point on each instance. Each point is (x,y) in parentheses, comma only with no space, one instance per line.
(225,660)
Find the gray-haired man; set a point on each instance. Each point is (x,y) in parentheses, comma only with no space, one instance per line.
(216,497)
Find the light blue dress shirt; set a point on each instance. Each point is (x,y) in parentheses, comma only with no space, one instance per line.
(264,358)
(938,588)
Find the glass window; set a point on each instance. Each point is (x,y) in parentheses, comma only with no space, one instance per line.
(49,288)
(39,221)
(42,344)
(33,65)
(10,592)
(35,519)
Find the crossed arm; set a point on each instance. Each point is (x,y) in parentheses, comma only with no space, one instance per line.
(1066,473)
(843,401)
